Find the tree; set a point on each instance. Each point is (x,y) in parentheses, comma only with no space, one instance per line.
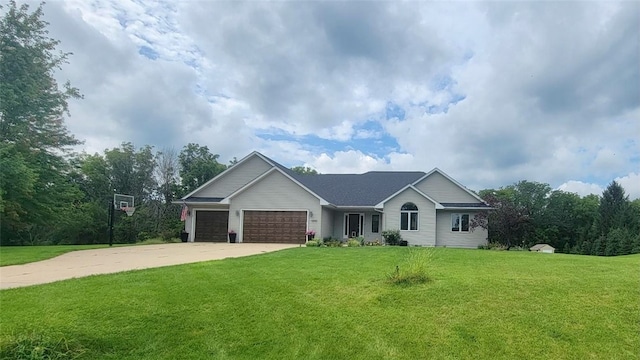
(508,220)
(36,195)
(304,170)
(167,174)
(197,166)
(613,208)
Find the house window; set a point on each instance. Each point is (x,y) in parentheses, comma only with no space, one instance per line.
(375,223)
(409,216)
(459,222)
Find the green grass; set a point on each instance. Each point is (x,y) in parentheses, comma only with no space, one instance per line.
(337,303)
(16,255)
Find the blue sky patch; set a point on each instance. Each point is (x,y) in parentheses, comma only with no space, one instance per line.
(370,138)
(394,111)
(148,52)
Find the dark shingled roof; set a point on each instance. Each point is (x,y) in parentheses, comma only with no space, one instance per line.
(366,189)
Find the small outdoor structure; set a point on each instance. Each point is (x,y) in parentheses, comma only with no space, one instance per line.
(545,248)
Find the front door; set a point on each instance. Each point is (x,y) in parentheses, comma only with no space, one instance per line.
(353,225)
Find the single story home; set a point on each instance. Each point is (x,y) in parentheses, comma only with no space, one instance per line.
(263,201)
(545,248)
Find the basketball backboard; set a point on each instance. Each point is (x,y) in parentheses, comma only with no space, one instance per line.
(121,201)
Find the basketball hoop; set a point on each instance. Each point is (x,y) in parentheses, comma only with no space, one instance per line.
(128,210)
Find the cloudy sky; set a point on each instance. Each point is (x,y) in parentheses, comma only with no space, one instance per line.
(491,93)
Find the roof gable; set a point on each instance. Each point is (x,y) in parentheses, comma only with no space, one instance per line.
(268,173)
(247,169)
(381,203)
(445,189)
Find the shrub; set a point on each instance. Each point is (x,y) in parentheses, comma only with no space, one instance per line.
(354,242)
(391,237)
(333,243)
(376,242)
(493,246)
(313,243)
(415,269)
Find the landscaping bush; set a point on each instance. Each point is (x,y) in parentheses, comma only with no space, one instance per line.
(313,243)
(353,242)
(376,242)
(333,243)
(391,237)
(492,246)
(415,269)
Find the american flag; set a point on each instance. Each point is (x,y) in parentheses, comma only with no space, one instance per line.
(183,214)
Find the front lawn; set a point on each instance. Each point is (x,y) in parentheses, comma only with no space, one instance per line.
(336,303)
(16,255)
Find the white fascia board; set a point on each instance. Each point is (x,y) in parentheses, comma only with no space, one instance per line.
(229,169)
(450,179)
(410,186)
(468,208)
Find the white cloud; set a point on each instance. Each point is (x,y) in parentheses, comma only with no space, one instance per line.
(351,161)
(581,188)
(631,184)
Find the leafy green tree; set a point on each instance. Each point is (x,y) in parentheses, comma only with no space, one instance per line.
(197,166)
(131,172)
(36,194)
(304,170)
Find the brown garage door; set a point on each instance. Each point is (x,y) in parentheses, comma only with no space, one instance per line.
(211,226)
(274,227)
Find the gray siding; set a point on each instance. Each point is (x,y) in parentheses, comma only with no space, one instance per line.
(446,237)
(327,223)
(273,192)
(442,189)
(235,178)
(426,234)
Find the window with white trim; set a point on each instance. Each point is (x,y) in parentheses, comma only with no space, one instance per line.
(375,223)
(409,217)
(460,222)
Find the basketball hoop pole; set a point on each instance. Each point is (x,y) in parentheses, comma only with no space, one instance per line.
(111,211)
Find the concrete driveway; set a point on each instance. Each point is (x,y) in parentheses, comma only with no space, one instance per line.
(116,259)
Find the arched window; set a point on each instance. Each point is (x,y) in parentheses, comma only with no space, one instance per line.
(409,217)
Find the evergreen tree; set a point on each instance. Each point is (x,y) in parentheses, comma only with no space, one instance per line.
(613,208)
(598,247)
(613,242)
(626,242)
(586,247)
(635,245)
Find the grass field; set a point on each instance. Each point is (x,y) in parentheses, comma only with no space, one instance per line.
(336,303)
(16,255)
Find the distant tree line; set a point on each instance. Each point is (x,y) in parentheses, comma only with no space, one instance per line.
(528,213)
